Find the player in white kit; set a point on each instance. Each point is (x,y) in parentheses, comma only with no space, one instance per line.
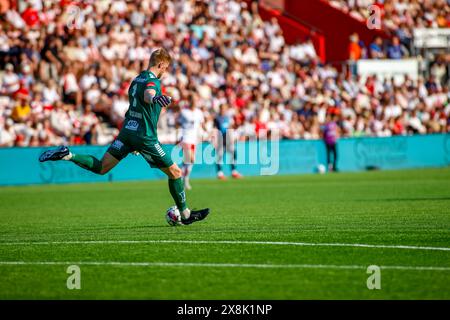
(191,121)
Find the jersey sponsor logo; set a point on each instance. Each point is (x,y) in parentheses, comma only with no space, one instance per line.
(117,144)
(135,114)
(132,125)
(160,150)
(140,80)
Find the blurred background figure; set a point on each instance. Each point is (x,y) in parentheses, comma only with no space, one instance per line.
(191,121)
(330,137)
(225,142)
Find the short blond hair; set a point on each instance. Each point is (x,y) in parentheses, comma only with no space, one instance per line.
(158,56)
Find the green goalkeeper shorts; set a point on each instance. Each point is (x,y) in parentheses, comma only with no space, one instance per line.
(153,152)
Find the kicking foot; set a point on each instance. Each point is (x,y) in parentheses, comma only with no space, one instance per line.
(235,174)
(196,215)
(221,176)
(55,154)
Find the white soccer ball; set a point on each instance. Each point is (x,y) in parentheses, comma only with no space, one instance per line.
(173,216)
(321,169)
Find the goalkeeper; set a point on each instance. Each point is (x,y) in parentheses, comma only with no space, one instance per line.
(139,134)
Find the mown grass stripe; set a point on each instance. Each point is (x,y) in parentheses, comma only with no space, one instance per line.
(279,243)
(220,265)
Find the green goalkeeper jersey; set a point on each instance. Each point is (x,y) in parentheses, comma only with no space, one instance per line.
(141,118)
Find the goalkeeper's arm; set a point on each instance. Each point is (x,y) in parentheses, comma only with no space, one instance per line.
(150,97)
(149,94)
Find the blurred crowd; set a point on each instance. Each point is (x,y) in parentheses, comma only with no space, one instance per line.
(401,16)
(398,18)
(65,68)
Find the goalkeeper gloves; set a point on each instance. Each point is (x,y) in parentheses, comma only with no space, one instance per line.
(163,101)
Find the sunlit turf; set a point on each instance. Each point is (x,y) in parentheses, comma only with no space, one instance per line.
(229,256)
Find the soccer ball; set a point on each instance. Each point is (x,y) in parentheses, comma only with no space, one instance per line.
(173,216)
(321,169)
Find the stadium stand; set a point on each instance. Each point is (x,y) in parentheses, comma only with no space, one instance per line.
(65,67)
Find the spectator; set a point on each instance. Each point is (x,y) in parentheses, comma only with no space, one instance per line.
(355,48)
(376,48)
(31,16)
(10,80)
(50,92)
(395,50)
(7,134)
(22,110)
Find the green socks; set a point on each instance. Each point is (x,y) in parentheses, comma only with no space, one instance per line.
(177,191)
(87,162)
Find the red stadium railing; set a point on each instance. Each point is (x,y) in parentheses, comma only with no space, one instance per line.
(294,30)
(335,26)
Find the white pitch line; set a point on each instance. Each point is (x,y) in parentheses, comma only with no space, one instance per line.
(219,265)
(279,243)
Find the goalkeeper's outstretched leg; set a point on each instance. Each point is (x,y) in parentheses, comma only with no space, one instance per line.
(91,163)
(87,162)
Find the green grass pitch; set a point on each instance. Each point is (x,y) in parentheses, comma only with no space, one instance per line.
(261,241)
